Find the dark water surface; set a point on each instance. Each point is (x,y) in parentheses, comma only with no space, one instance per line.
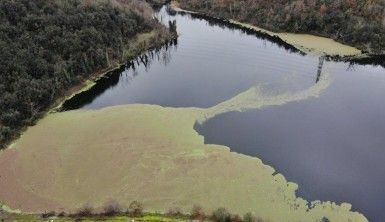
(209,64)
(333,146)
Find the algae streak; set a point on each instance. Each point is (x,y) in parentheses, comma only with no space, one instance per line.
(254,98)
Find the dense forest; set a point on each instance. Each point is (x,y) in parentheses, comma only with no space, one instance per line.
(47,47)
(360,23)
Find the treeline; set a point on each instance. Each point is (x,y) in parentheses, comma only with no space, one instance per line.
(360,23)
(136,210)
(46,47)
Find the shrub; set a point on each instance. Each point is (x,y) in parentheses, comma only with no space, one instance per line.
(135,209)
(221,215)
(48,215)
(5,134)
(111,208)
(174,212)
(197,213)
(85,211)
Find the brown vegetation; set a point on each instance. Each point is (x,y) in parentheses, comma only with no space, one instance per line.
(197,213)
(85,211)
(221,215)
(112,208)
(174,212)
(135,209)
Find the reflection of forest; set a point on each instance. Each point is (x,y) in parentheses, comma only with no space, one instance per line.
(129,71)
(320,66)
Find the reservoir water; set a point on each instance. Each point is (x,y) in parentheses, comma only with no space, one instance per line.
(332,146)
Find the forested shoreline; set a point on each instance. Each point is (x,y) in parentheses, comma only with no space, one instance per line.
(359,23)
(47,47)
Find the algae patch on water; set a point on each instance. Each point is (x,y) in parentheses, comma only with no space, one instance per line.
(309,43)
(152,154)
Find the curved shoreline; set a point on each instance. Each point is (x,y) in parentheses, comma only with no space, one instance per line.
(90,82)
(304,43)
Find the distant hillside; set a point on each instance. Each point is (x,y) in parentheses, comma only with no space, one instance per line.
(46,47)
(360,23)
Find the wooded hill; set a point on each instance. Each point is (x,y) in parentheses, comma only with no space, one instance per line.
(46,47)
(360,23)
